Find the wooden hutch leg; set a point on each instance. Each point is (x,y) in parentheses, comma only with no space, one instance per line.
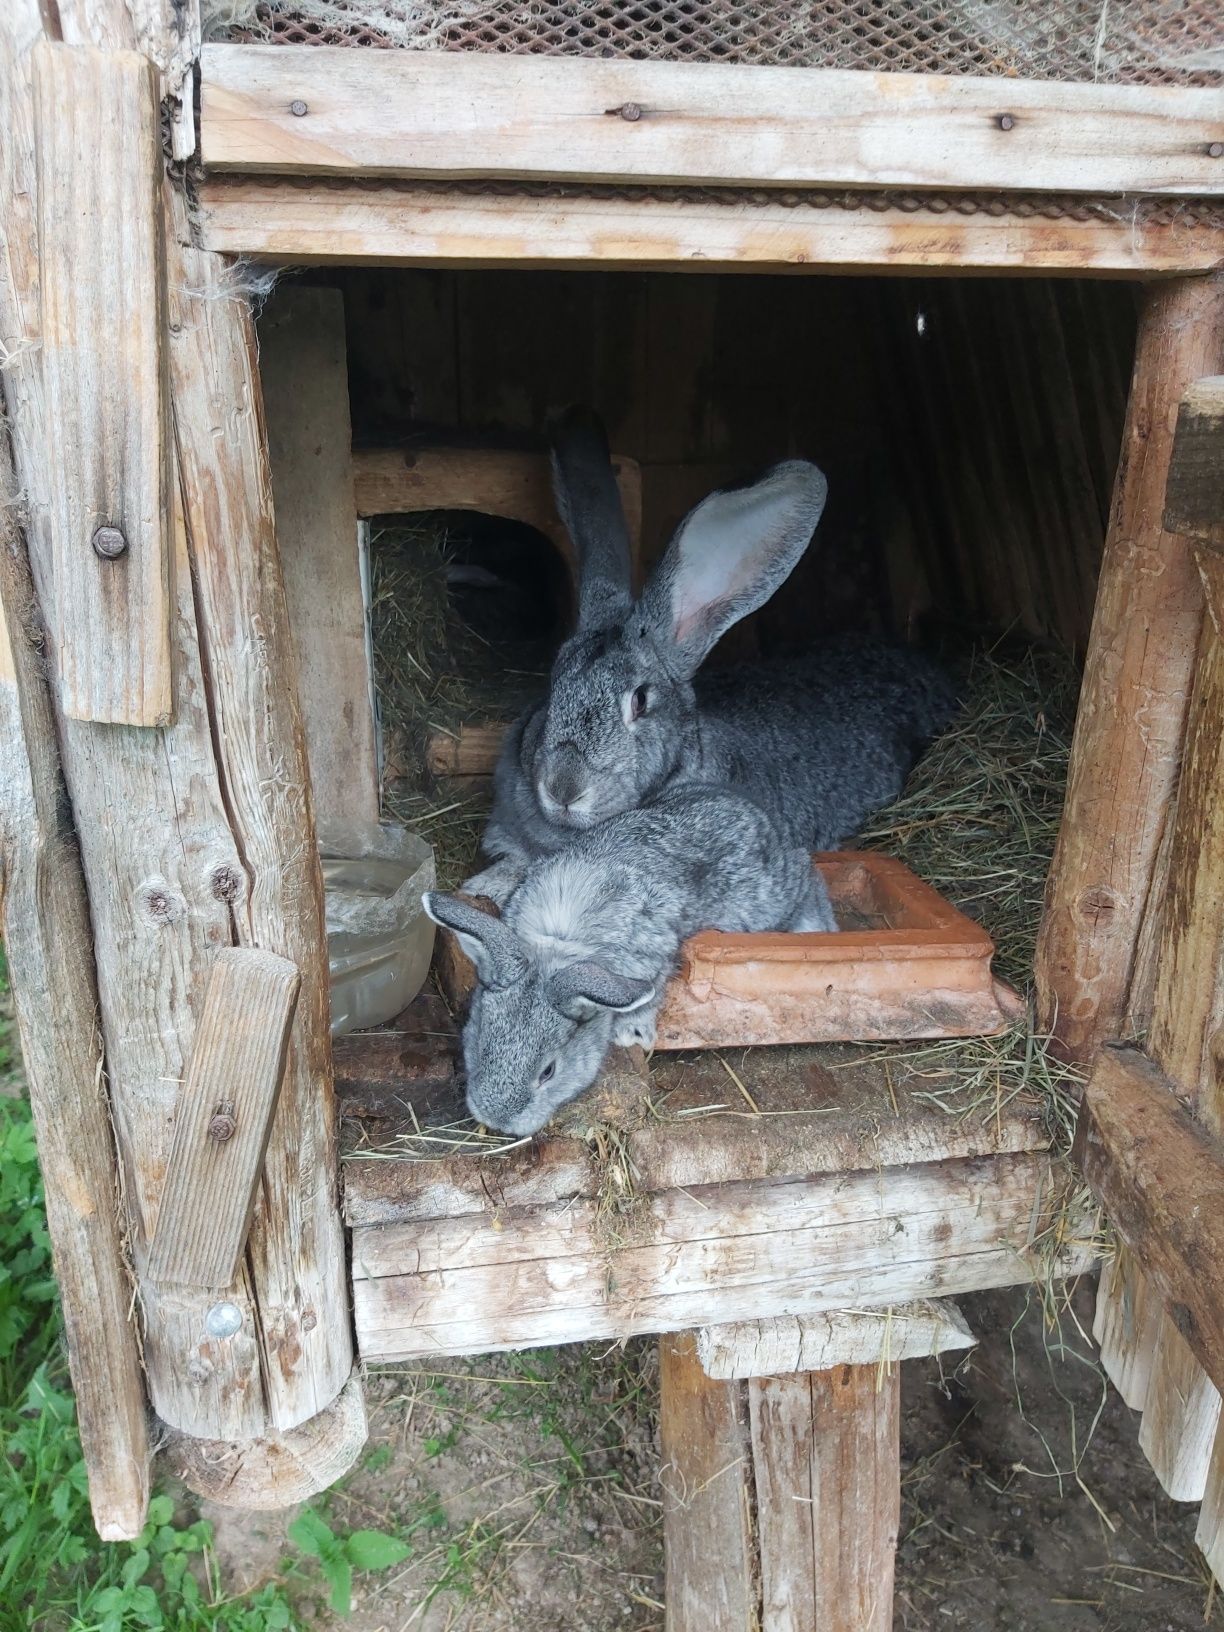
(194,818)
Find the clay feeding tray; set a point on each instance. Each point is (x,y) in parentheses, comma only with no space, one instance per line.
(906,963)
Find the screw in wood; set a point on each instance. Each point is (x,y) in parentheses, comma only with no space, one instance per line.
(109,543)
(222,1127)
(1005,121)
(631,111)
(1215,150)
(298,108)
(223,1320)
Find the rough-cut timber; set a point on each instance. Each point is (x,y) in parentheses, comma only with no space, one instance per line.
(223,1119)
(166,31)
(826,1457)
(1194,497)
(296,1244)
(840,1337)
(1160,1177)
(304,375)
(1135,692)
(103,371)
(706,1475)
(402,224)
(326,110)
(1124,1327)
(565,1272)
(44,926)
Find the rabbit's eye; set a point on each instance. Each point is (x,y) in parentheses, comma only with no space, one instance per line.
(638,702)
(547,1074)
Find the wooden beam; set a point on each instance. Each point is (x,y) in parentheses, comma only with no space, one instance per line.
(1160,1178)
(304,374)
(1133,702)
(561,1273)
(321,223)
(45,928)
(103,319)
(320,110)
(1194,496)
(223,1118)
(839,1337)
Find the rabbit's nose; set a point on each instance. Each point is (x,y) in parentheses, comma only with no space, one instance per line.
(564,787)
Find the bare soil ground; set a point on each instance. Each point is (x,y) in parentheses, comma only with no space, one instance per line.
(528,1487)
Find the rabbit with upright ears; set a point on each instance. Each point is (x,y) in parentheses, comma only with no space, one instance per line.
(822,740)
(583,954)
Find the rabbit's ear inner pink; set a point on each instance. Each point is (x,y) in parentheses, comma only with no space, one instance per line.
(728,557)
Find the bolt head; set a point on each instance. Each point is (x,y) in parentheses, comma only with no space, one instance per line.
(298,108)
(223,1320)
(222,1127)
(1215,150)
(109,543)
(1006,121)
(631,111)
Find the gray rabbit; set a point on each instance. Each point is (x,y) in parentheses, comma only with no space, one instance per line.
(822,740)
(589,938)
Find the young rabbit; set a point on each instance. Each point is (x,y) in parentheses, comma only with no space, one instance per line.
(822,740)
(581,959)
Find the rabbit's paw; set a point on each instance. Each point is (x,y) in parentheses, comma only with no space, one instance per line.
(497,883)
(635,1030)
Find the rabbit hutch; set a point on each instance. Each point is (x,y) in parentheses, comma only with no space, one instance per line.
(288,290)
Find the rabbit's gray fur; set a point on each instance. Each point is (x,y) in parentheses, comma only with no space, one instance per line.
(588,941)
(824,740)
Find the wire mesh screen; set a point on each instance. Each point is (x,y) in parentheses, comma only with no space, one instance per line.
(1171,42)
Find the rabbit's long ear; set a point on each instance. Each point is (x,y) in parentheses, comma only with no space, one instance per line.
(728,557)
(589,503)
(581,988)
(493,947)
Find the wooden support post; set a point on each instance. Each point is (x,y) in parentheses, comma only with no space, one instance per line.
(304,374)
(782,1497)
(102,272)
(1135,693)
(44,925)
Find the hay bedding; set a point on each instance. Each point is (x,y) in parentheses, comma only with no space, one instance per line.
(978,818)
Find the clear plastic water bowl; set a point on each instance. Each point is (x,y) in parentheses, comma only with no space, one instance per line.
(379,941)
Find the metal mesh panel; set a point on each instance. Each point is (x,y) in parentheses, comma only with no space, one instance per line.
(1170,42)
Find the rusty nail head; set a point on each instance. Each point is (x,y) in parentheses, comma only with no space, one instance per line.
(1005,121)
(109,543)
(298,108)
(1215,150)
(222,1127)
(631,111)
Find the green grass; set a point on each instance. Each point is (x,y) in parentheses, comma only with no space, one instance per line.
(55,1575)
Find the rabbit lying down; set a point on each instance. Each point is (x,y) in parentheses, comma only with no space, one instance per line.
(823,740)
(590,937)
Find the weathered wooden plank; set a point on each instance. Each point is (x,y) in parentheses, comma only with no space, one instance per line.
(706,1475)
(223,1119)
(1181,1416)
(572,1271)
(399,224)
(304,375)
(327,111)
(1194,496)
(45,928)
(1160,1177)
(167,31)
(296,1247)
(103,371)
(826,1463)
(1135,693)
(1126,1325)
(470,751)
(839,1337)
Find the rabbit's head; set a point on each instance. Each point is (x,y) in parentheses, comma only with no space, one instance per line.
(536,1035)
(621,707)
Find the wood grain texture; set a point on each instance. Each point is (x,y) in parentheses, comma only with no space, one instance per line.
(706,1476)
(839,1337)
(827,1465)
(1135,693)
(166,31)
(555,1274)
(45,929)
(462,115)
(398,224)
(1181,1416)
(161,878)
(470,751)
(1126,1325)
(223,1118)
(296,1245)
(304,375)
(1160,1177)
(103,370)
(1194,497)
